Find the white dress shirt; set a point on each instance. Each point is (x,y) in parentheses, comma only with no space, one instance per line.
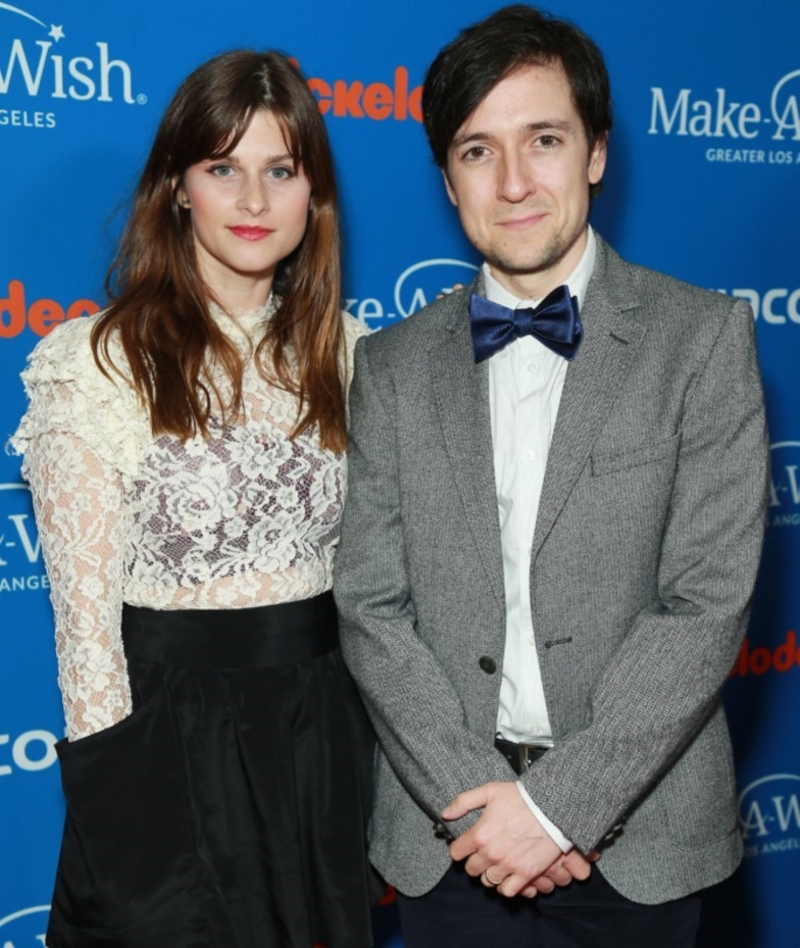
(525,384)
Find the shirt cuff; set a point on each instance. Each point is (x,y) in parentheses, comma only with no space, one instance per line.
(552,831)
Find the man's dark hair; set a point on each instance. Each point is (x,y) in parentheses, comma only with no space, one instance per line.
(482,55)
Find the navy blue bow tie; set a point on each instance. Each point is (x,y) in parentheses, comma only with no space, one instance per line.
(555,322)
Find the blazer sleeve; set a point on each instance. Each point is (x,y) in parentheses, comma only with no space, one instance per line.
(414,707)
(665,680)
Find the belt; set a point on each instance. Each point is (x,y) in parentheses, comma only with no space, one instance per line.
(286,633)
(522,756)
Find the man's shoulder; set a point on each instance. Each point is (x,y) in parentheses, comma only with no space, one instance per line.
(659,293)
(418,332)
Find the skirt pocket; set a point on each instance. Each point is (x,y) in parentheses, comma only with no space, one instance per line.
(127,858)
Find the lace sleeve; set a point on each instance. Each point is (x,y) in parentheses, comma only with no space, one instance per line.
(78,506)
(81,437)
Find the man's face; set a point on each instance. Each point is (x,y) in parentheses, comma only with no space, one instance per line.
(519,171)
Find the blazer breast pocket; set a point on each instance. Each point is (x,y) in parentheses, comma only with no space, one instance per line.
(661,452)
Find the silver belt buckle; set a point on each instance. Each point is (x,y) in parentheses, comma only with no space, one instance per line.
(526,758)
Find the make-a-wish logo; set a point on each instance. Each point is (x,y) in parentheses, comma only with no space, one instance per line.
(21,568)
(784,504)
(421,283)
(769,815)
(24,929)
(416,286)
(719,116)
(42,66)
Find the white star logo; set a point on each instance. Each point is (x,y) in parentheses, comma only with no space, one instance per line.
(57,32)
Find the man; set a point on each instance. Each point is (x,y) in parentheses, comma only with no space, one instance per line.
(552,531)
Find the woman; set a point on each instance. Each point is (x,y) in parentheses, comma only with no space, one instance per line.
(185,453)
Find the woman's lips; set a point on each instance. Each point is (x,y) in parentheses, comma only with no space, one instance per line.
(250,233)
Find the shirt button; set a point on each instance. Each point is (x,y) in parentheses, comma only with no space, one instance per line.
(530,455)
(531,368)
(489,665)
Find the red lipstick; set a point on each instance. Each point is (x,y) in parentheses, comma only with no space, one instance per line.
(247,232)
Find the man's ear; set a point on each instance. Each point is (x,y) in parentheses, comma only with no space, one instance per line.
(597,160)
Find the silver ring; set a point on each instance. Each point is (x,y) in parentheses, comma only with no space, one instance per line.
(490,880)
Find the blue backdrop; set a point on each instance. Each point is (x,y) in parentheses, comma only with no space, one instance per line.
(703,183)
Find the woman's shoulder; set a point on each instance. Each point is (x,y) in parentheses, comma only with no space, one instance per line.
(353,330)
(64,355)
(68,393)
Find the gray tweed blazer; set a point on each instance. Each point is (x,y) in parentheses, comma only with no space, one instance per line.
(643,562)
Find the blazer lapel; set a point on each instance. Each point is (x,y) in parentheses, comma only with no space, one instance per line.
(461,391)
(612,336)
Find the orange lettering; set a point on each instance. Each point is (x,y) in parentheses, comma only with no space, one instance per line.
(378,101)
(415,104)
(346,99)
(784,655)
(401,93)
(82,308)
(323,92)
(14,307)
(43,316)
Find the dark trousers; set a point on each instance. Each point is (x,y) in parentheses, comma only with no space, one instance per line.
(462,913)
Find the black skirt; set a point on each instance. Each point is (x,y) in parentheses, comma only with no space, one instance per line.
(229,810)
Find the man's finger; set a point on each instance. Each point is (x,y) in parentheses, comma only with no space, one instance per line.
(576,864)
(464,802)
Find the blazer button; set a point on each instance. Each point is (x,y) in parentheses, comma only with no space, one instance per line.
(489,665)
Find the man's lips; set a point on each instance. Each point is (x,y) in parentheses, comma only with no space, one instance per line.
(250,233)
(527,220)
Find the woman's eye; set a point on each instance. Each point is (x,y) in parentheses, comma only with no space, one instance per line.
(281,172)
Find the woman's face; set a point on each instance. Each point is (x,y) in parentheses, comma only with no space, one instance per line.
(248,211)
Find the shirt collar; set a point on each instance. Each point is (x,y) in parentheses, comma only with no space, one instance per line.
(577,281)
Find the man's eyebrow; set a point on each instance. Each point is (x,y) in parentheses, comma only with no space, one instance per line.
(556,125)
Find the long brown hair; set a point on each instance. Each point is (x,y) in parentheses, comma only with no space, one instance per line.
(159,303)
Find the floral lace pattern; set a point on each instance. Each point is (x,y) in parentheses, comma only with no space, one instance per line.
(247,517)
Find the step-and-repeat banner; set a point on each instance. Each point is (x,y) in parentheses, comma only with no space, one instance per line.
(703,183)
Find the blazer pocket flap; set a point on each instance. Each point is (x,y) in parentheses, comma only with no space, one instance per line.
(607,463)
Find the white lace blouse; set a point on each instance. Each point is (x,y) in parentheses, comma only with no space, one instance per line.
(247,517)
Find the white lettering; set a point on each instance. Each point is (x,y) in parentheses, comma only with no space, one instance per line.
(19,750)
(659,109)
(106,65)
(792,812)
(5,770)
(750,114)
(417,301)
(700,124)
(32,550)
(754,821)
(724,116)
(766,308)
(32,82)
(82,78)
(793,307)
(58,77)
(789,119)
(81,69)
(791,471)
(369,309)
